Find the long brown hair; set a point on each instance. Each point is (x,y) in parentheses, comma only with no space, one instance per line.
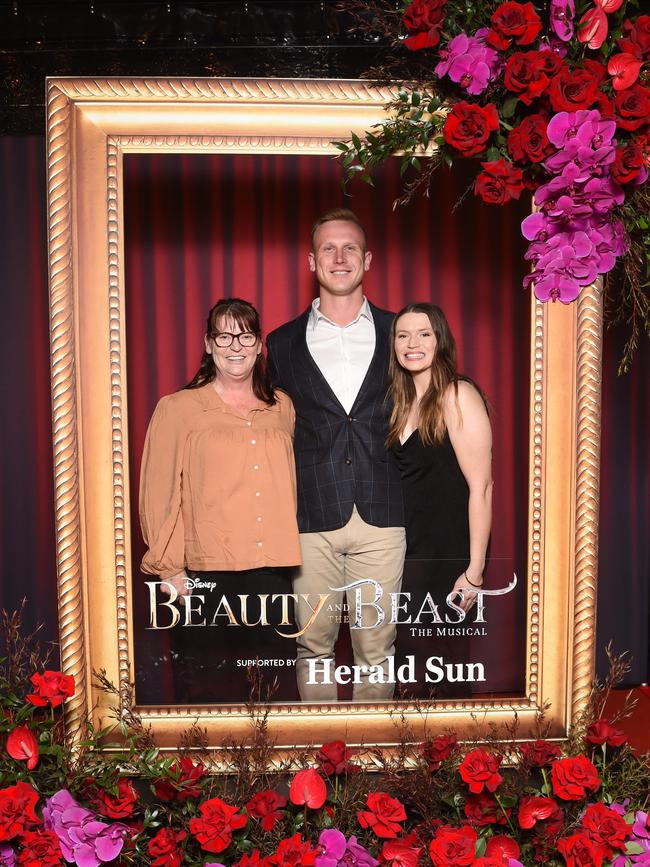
(401,388)
(247,317)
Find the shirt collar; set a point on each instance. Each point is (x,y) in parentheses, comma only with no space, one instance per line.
(315,316)
(211,399)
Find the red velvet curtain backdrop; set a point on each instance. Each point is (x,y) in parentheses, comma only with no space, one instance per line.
(201,227)
(199,233)
(27,552)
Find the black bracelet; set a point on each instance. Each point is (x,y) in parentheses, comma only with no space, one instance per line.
(471,583)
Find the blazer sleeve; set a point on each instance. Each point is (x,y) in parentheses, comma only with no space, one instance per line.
(161,474)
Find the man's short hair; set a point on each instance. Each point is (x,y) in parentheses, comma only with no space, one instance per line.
(339,214)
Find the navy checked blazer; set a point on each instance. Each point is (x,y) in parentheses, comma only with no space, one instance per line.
(341,460)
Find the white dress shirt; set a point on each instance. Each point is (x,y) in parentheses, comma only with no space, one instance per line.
(342,352)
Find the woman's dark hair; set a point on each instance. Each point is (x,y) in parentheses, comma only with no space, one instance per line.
(401,389)
(246,316)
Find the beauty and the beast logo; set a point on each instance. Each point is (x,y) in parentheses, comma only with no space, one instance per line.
(169,610)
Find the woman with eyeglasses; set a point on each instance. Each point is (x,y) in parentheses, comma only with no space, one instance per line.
(218,512)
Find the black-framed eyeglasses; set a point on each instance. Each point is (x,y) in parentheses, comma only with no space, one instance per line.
(225,338)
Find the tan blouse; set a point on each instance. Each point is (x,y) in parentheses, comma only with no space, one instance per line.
(218,489)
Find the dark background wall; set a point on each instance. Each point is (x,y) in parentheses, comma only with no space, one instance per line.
(300,38)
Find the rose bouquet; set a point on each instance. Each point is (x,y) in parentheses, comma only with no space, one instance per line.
(550,97)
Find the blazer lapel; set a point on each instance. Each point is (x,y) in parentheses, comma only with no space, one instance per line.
(303,361)
(379,363)
(308,372)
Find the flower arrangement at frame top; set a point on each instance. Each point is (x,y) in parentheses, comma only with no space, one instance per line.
(493,801)
(550,97)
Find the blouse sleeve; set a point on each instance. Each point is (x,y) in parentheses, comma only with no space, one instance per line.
(161,516)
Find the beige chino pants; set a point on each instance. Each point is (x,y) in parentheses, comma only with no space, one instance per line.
(332,560)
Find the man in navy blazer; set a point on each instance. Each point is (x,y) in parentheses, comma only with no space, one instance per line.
(333,362)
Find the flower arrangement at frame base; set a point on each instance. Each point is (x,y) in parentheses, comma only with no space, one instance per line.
(549,96)
(497,802)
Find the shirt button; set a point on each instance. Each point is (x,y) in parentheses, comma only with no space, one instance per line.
(249,423)
(253,442)
(256,466)
(350,418)
(259,518)
(348,461)
(257,493)
(259,544)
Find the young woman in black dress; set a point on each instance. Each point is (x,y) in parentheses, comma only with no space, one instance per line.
(441,437)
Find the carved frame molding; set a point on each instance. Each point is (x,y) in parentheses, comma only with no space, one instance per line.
(91,124)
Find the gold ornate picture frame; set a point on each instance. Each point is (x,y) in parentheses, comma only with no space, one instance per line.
(92,124)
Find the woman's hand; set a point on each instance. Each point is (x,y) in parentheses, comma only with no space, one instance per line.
(179,583)
(468,598)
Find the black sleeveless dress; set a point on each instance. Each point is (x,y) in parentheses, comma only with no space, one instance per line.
(436,499)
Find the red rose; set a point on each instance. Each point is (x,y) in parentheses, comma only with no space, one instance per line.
(308,787)
(41,849)
(163,848)
(502,846)
(499,182)
(215,827)
(400,853)
(423,19)
(383,815)
(266,806)
(574,89)
(23,746)
(606,828)
(118,806)
(480,770)
(468,127)
(483,809)
(632,107)
(436,751)
(491,861)
(182,781)
(536,133)
(17,810)
(626,167)
(453,847)
(601,731)
(333,759)
(551,62)
(573,777)
(532,810)
(517,21)
(293,851)
(539,753)
(579,851)
(525,75)
(636,36)
(52,687)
